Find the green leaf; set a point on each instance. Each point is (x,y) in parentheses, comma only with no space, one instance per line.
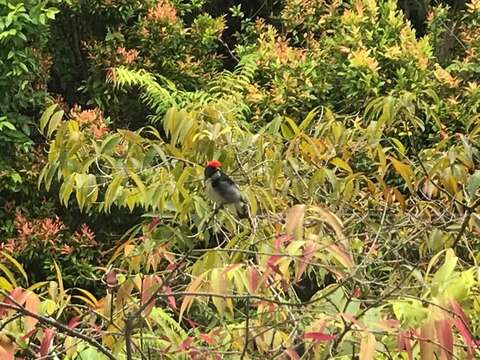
(5,284)
(91,353)
(109,144)
(140,185)
(7,124)
(9,275)
(446,270)
(131,136)
(308,119)
(50,173)
(46,116)
(112,191)
(66,189)
(338,162)
(86,189)
(17,265)
(473,184)
(54,122)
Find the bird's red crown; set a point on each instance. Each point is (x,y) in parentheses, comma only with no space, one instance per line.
(214,164)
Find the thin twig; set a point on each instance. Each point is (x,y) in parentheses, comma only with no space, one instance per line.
(247,320)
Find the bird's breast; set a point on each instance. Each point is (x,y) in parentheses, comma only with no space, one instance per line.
(212,193)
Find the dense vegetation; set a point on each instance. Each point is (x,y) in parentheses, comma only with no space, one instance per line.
(351,126)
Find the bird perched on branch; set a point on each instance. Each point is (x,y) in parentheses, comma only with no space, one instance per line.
(223,190)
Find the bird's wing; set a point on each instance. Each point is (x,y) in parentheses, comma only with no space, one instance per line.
(227,188)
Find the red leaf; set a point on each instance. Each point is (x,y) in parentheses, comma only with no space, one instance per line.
(111,279)
(308,252)
(32,304)
(153,223)
(368,344)
(318,336)
(46,341)
(16,295)
(273,259)
(357,292)
(185,344)
(271,263)
(73,322)
(192,323)
(149,285)
(353,320)
(171,299)
(292,354)
(172,266)
(207,338)
(426,340)
(280,240)
(28,334)
(388,324)
(445,337)
(461,323)
(404,344)
(253,279)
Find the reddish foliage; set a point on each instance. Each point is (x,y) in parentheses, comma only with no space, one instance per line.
(163,11)
(185,344)
(318,336)
(292,354)
(73,322)
(253,279)
(171,299)
(153,223)
(111,279)
(461,323)
(46,342)
(17,296)
(404,343)
(281,240)
(445,337)
(207,338)
(357,292)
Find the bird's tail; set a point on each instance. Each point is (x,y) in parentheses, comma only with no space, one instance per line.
(242,210)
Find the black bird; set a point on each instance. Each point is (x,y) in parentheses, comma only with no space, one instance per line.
(223,190)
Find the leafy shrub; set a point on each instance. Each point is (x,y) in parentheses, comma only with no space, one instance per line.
(354,140)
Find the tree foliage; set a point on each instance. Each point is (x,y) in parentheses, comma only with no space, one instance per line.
(354,142)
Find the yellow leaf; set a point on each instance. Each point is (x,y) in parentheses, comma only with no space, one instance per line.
(17,265)
(367,347)
(60,281)
(294,221)
(219,285)
(332,220)
(192,287)
(89,299)
(341,255)
(404,171)
(48,307)
(5,285)
(341,164)
(9,275)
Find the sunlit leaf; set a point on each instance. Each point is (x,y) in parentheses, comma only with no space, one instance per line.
(445,337)
(294,221)
(367,347)
(192,287)
(32,304)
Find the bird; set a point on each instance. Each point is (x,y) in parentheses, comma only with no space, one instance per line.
(223,191)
